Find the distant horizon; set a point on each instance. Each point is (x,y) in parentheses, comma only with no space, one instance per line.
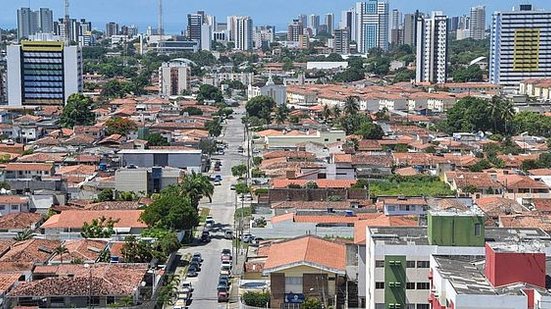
(278,13)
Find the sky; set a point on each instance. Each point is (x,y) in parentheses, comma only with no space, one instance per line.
(264,12)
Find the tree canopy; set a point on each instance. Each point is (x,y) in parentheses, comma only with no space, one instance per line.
(209,93)
(99,228)
(118,125)
(171,211)
(77,111)
(261,107)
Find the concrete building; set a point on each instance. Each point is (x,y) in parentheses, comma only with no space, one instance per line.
(111,29)
(30,22)
(330,22)
(244,33)
(276,92)
(342,42)
(189,160)
(478,22)
(43,73)
(394,265)
(145,181)
(314,23)
(432,48)
(519,46)
(174,77)
(410,29)
(295,30)
(372,22)
(263,36)
(506,275)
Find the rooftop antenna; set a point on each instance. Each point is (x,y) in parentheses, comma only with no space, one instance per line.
(66,22)
(160,26)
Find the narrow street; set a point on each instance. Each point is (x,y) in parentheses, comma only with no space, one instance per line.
(222,210)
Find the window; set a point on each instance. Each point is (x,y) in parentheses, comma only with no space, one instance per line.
(2,207)
(391,208)
(293,284)
(477,229)
(379,306)
(410,306)
(410,264)
(110,300)
(410,285)
(423,285)
(95,300)
(379,263)
(423,264)
(379,285)
(14,207)
(423,306)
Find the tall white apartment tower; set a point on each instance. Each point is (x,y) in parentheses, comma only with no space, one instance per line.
(520,46)
(244,33)
(432,48)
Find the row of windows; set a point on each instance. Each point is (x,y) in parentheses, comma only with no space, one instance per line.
(43,72)
(42,60)
(379,285)
(43,66)
(43,96)
(43,54)
(44,78)
(43,90)
(43,84)
(13,207)
(409,264)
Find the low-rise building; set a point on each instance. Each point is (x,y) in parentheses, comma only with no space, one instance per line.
(145,181)
(190,160)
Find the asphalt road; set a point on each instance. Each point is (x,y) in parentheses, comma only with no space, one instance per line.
(222,210)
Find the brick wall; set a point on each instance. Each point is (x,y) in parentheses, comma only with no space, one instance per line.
(277,286)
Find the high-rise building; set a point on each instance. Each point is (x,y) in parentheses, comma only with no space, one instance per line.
(432,48)
(244,33)
(31,22)
(303,19)
(330,22)
(174,78)
(342,43)
(396,19)
(478,22)
(396,31)
(519,46)
(194,23)
(295,30)
(372,25)
(79,30)
(43,73)
(454,23)
(263,36)
(314,22)
(410,29)
(348,21)
(111,29)
(200,29)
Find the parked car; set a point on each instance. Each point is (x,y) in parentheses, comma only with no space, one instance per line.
(225,271)
(196,260)
(232,187)
(194,267)
(226,251)
(217,178)
(223,297)
(255,241)
(228,234)
(217,183)
(186,286)
(198,255)
(192,273)
(205,239)
(227,264)
(225,278)
(246,238)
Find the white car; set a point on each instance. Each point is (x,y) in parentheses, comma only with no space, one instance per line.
(187,287)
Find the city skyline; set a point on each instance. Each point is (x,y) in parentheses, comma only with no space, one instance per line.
(278,13)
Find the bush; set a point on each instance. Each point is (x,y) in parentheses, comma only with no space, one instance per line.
(256,299)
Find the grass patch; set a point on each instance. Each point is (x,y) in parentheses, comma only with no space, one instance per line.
(242,212)
(203,214)
(415,186)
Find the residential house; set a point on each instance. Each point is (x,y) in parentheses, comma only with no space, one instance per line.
(473,183)
(13,204)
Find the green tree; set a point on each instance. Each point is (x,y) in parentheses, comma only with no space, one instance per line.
(471,73)
(171,210)
(281,114)
(193,111)
(242,188)
(214,127)
(196,186)
(532,123)
(239,170)
(261,107)
(311,185)
(26,234)
(480,166)
(60,251)
(370,130)
(209,93)
(311,303)
(99,228)
(122,126)
(352,105)
(105,195)
(207,146)
(77,111)
(136,251)
(114,89)
(156,139)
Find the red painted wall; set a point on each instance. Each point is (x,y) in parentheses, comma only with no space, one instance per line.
(530,295)
(504,268)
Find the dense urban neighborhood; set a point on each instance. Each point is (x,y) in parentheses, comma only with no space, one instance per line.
(378,159)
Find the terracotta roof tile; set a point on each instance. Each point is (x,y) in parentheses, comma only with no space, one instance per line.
(307,250)
(15,167)
(76,218)
(32,250)
(20,220)
(322,183)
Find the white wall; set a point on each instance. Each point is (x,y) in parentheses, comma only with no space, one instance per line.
(14,75)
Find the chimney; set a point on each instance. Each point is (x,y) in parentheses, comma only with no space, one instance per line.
(512,263)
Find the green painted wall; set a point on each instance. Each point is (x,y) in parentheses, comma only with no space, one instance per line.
(395,281)
(466,231)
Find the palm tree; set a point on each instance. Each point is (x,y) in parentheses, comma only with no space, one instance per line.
(352,105)
(61,250)
(281,114)
(195,186)
(26,234)
(326,112)
(336,111)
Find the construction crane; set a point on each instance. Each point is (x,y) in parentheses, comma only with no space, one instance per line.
(66,24)
(160,26)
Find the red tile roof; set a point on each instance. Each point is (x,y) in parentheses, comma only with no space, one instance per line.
(32,250)
(308,250)
(381,220)
(20,220)
(76,218)
(322,183)
(42,167)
